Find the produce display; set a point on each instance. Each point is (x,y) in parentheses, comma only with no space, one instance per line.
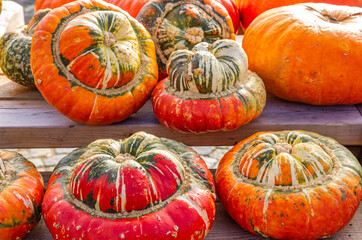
(250,9)
(176,25)
(290,185)
(98,62)
(15,51)
(209,88)
(310,53)
(141,187)
(21,193)
(93,62)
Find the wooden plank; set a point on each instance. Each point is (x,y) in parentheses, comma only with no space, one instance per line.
(223,228)
(11,90)
(36,124)
(29,121)
(359,107)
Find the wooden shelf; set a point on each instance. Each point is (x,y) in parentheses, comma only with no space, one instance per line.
(223,228)
(28,121)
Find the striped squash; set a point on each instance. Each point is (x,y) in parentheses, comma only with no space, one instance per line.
(290,185)
(15,51)
(93,62)
(208,89)
(21,193)
(141,187)
(176,24)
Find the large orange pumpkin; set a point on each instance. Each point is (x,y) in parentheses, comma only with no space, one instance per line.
(93,62)
(290,185)
(309,53)
(250,9)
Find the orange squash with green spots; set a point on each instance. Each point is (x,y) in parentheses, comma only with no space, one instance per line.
(93,62)
(208,89)
(290,185)
(142,187)
(21,194)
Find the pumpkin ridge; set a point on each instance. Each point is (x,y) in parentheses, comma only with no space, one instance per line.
(110,92)
(185,185)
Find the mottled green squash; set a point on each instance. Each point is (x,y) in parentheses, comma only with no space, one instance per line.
(15,51)
(176,25)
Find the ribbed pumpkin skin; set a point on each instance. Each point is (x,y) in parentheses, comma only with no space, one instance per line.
(208,89)
(308,53)
(250,9)
(42,4)
(176,25)
(20,196)
(142,187)
(290,185)
(15,51)
(93,62)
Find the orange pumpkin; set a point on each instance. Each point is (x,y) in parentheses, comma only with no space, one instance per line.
(309,53)
(93,62)
(290,185)
(250,9)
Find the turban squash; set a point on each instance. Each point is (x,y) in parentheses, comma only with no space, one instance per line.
(176,25)
(250,9)
(15,51)
(141,187)
(93,62)
(133,7)
(308,53)
(21,193)
(208,89)
(290,185)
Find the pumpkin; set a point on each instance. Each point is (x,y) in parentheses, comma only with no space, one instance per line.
(250,9)
(93,62)
(208,89)
(141,187)
(282,184)
(175,25)
(42,4)
(308,53)
(21,193)
(15,51)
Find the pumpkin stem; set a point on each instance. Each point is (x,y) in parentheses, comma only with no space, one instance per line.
(123,157)
(2,168)
(194,35)
(283,147)
(109,39)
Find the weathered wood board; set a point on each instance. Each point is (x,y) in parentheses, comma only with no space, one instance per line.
(28,121)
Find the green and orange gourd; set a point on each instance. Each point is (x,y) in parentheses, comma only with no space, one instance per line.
(176,25)
(15,51)
(208,89)
(290,185)
(21,194)
(93,62)
(141,187)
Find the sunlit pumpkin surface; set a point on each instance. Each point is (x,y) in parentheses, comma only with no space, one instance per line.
(290,185)
(308,53)
(141,187)
(93,62)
